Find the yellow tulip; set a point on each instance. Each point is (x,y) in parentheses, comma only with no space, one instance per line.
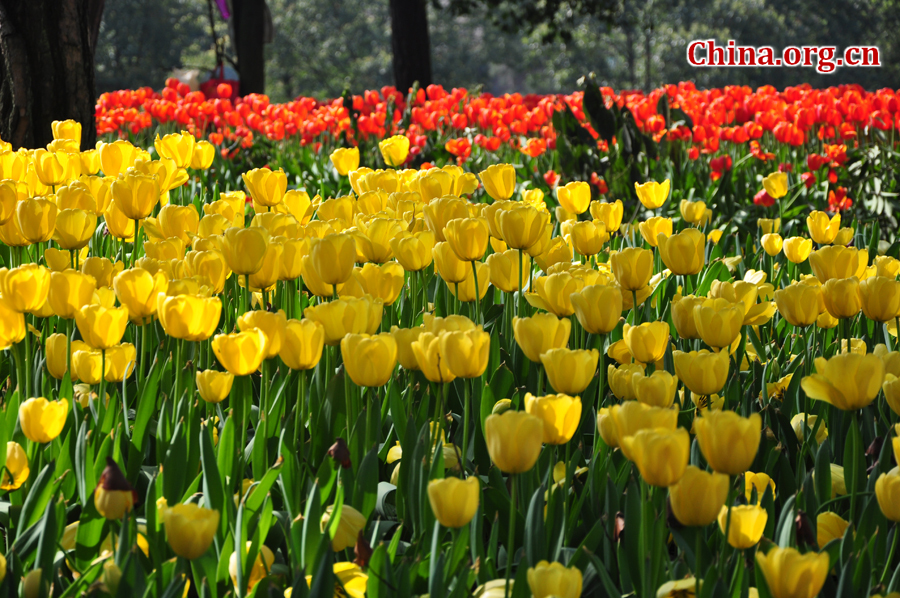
(190,529)
(466,351)
(575,197)
(333,257)
(66,129)
(42,420)
(499,181)
(137,290)
(772,243)
(849,381)
(513,440)
(15,470)
(652,194)
(540,333)
(213,386)
(546,580)
(178,147)
(598,307)
(114,496)
(621,380)
(373,241)
(54,167)
(241,353)
(101,327)
(588,237)
(465,290)
(631,417)
(648,341)
(301,348)
(36,218)
(273,324)
(842,297)
(692,211)
(394,150)
(776,184)
(609,214)
(802,419)
(345,159)
(245,249)
(349,526)
(179,221)
(653,227)
(746,526)
(835,261)
(822,229)
(189,317)
(447,264)
(346,316)
(69,292)
(570,371)
(719,322)
(683,253)
(369,360)
(135,194)
(203,156)
(880,298)
(760,482)
(728,441)
(660,454)
(439,212)
(522,227)
(74,228)
(657,389)
(262,566)
(799,303)
(560,414)
(790,574)
(454,502)
(413,250)
(698,496)
(797,249)
(632,267)
(829,526)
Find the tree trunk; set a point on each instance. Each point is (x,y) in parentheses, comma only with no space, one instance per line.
(47,68)
(249,39)
(411,46)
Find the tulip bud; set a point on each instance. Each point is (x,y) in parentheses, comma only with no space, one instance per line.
(513,440)
(797,249)
(454,502)
(114,496)
(632,267)
(241,353)
(789,573)
(42,420)
(728,441)
(574,197)
(698,496)
(499,181)
(345,159)
(394,150)
(660,454)
(369,360)
(560,414)
(546,580)
(570,371)
(652,194)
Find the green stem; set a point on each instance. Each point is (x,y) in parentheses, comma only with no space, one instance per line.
(890,558)
(465,417)
(635,318)
(102,395)
(698,570)
(28,394)
(478,317)
(300,415)
(510,546)
(522,290)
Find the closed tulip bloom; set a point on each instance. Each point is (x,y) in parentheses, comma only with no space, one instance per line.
(468,237)
(823,229)
(683,315)
(607,428)
(499,181)
(267,188)
(719,322)
(189,317)
(301,347)
(631,417)
(101,327)
(203,155)
(214,386)
(570,371)
(179,221)
(769,225)
(772,243)
(42,420)
(560,414)
(15,470)
(430,358)
(841,296)
(746,527)
(241,353)
(632,267)
(12,323)
(829,526)
(891,388)
(87,366)
(683,253)
(728,441)
(540,333)
(440,211)
(369,360)
(333,257)
(653,227)
(447,264)
(514,440)
(610,214)
(648,341)
(245,249)
(74,228)
(349,526)
(270,271)
(835,261)
(273,324)
(55,350)
(135,194)
(575,197)
(698,496)
(413,250)
(504,269)
(466,351)
(790,574)
(114,496)
(844,236)
(36,218)
(692,211)
(660,454)
(11,234)
(887,492)
(521,227)
(178,147)
(120,362)
(657,389)
(760,482)
(137,290)
(69,292)
(554,293)
(53,168)
(797,249)
(373,241)
(776,184)
(801,419)
(589,237)
(262,566)
(799,303)
(405,337)
(598,307)
(621,379)
(465,290)
(454,502)
(394,150)
(341,317)
(66,129)
(652,194)
(345,159)
(849,381)
(554,580)
(190,529)
(880,298)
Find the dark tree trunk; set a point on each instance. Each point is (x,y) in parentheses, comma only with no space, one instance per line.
(411,46)
(47,68)
(249,39)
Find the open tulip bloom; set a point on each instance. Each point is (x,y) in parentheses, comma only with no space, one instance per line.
(442,360)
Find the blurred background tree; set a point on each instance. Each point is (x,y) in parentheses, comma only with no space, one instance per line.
(322,46)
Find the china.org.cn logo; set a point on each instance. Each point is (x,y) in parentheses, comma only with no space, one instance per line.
(825,59)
